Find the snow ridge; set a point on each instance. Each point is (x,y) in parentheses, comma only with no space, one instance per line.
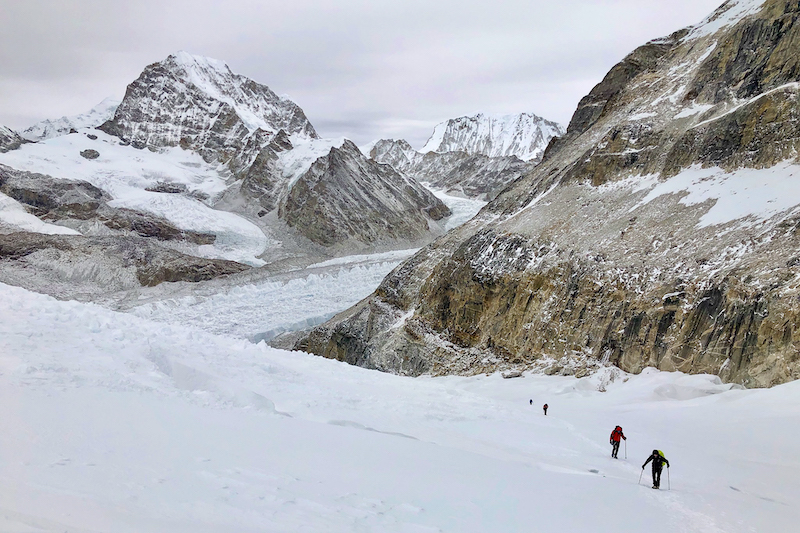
(729,13)
(47,129)
(524,135)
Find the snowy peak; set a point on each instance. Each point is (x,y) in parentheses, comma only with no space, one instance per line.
(399,154)
(48,129)
(524,135)
(201,105)
(255,104)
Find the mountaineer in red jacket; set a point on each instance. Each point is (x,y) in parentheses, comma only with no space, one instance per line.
(616,436)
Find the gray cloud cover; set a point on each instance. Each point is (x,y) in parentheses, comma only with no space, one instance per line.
(360,69)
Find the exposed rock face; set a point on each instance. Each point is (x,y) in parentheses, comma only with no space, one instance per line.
(9,140)
(471,175)
(639,241)
(48,129)
(524,135)
(343,195)
(85,206)
(199,104)
(82,267)
(90,154)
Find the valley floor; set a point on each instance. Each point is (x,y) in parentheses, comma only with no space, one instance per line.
(114,422)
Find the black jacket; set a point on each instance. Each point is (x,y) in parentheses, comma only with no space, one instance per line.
(658,461)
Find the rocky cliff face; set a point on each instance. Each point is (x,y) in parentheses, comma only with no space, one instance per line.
(9,140)
(344,195)
(48,129)
(524,135)
(661,230)
(199,104)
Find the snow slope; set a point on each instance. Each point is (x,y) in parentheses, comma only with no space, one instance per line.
(115,423)
(13,213)
(47,129)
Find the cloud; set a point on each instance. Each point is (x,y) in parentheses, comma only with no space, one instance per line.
(359,68)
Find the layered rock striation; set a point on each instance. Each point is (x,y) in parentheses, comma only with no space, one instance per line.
(661,230)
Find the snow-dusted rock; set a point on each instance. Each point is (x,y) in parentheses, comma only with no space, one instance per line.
(460,173)
(47,129)
(661,230)
(524,135)
(199,104)
(9,140)
(343,196)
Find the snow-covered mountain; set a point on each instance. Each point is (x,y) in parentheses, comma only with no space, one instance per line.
(230,172)
(47,129)
(524,135)
(9,139)
(659,231)
(476,157)
(197,103)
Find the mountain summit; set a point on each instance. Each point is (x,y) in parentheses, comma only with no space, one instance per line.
(199,104)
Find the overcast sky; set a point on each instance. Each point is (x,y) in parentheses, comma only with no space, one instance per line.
(362,69)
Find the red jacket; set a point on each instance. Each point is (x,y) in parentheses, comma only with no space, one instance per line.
(617,434)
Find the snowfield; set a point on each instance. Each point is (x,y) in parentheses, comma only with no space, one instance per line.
(125,172)
(113,422)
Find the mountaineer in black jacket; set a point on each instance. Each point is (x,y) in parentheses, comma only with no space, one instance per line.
(658,464)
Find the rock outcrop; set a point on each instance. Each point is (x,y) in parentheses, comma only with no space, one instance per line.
(9,140)
(661,230)
(82,206)
(87,267)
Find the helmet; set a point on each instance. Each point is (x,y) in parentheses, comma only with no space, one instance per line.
(655,452)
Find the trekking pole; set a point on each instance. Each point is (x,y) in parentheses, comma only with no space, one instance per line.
(640,477)
(626,448)
(669,485)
